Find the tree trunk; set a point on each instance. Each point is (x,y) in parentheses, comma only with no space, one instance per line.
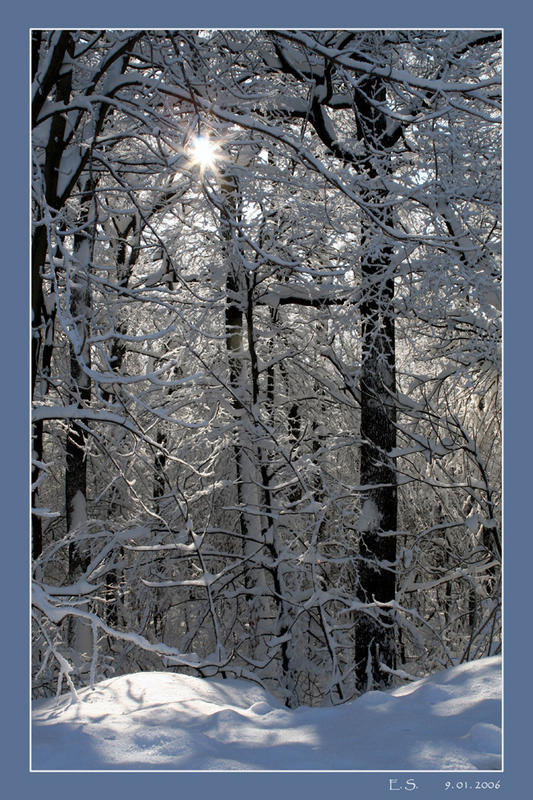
(42,324)
(80,391)
(375,635)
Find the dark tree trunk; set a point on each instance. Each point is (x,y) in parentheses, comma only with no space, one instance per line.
(375,634)
(234,327)
(79,632)
(124,266)
(80,387)
(267,532)
(36,526)
(43,319)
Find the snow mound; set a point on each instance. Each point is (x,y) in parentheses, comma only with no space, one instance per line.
(158,720)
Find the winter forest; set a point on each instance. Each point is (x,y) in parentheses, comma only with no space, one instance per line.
(266,368)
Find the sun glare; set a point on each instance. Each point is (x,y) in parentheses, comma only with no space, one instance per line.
(204,153)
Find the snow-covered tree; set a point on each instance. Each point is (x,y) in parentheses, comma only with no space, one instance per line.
(266,305)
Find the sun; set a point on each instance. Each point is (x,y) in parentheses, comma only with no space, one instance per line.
(204,153)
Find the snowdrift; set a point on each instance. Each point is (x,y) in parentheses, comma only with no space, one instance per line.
(156,720)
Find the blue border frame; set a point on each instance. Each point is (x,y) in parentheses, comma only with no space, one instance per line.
(14,321)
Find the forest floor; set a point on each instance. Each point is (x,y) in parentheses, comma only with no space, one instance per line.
(449,721)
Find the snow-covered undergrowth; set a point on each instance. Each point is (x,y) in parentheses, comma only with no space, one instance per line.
(155,720)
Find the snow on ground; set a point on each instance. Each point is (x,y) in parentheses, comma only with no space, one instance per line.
(158,720)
